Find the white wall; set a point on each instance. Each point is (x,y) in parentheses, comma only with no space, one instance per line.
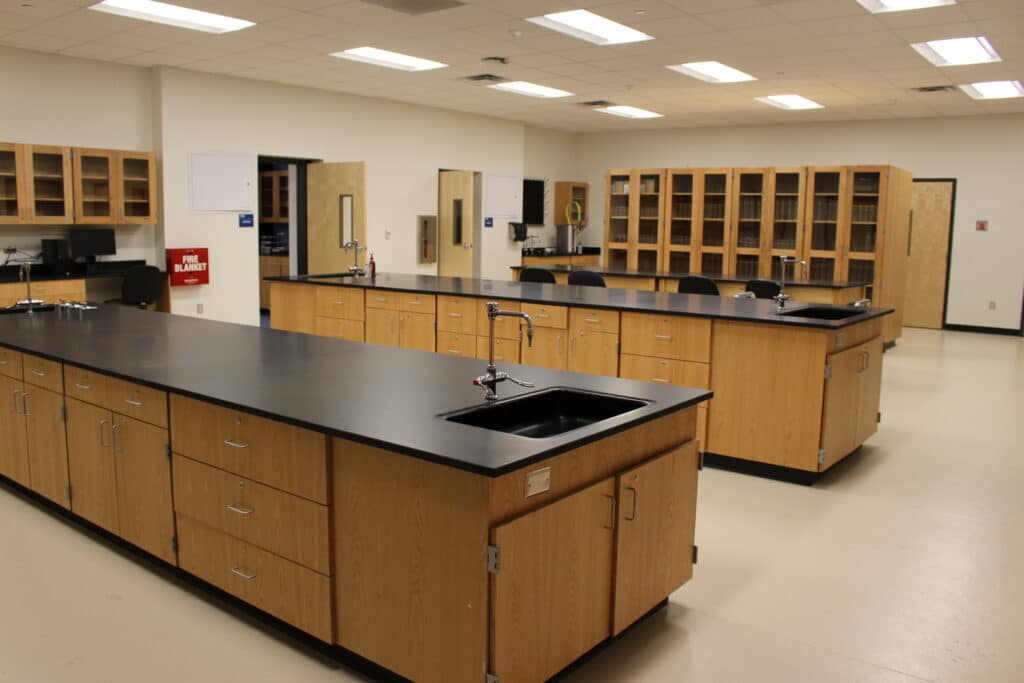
(552,156)
(982,153)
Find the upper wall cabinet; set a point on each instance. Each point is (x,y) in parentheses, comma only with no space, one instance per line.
(274,197)
(48,184)
(13,206)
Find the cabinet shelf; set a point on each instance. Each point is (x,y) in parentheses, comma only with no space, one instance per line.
(47,176)
(136,180)
(95,177)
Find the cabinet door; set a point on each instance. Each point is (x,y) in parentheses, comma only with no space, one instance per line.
(840,415)
(145,510)
(13,206)
(870,389)
(454,344)
(551,598)
(595,353)
(382,326)
(96,194)
(548,350)
(48,186)
(91,464)
(417,331)
(47,448)
(654,545)
(136,191)
(14,444)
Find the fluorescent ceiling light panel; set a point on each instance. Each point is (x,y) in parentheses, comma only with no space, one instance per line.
(790,102)
(392,60)
(956,51)
(879,6)
(712,72)
(579,23)
(173,15)
(994,90)
(530,89)
(629,112)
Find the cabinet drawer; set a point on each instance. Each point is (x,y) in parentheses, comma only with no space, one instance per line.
(665,371)
(594,319)
(86,385)
(382,299)
(666,336)
(286,525)
(505,350)
(452,344)
(339,302)
(134,400)
(281,588)
(11,363)
(504,327)
(351,330)
(273,453)
(43,373)
(458,314)
(547,316)
(417,303)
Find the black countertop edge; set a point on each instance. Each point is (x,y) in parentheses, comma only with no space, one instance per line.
(717,277)
(624,300)
(587,251)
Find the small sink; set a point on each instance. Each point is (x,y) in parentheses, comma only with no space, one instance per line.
(21,308)
(823,313)
(546,413)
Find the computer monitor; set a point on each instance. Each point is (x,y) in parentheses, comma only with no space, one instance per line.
(89,244)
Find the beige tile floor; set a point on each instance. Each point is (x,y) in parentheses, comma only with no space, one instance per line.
(903,564)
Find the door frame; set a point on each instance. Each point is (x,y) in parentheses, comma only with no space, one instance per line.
(949,245)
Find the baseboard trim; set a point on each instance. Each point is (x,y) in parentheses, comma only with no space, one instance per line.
(983,330)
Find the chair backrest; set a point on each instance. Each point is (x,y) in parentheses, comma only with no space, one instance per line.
(586,278)
(536,275)
(697,284)
(141,285)
(764,289)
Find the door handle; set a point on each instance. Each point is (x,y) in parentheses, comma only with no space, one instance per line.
(240,510)
(615,511)
(636,496)
(238,572)
(14,402)
(24,403)
(114,431)
(102,444)
(559,341)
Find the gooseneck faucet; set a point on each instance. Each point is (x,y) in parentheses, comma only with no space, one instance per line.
(491,377)
(781,298)
(25,272)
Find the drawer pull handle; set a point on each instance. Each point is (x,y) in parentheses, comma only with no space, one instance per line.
(238,572)
(339,303)
(666,337)
(4,361)
(240,510)
(454,315)
(595,321)
(455,351)
(39,373)
(414,302)
(543,315)
(133,402)
(659,379)
(235,444)
(380,298)
(86,387)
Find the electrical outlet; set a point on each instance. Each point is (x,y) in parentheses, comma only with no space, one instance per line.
(991,305)
(10,250)
(199,309)
(387,234)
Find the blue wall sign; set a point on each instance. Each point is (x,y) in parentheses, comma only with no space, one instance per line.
(489,222)
(245,220)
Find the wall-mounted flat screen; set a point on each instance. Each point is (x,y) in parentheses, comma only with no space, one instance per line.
(533,202)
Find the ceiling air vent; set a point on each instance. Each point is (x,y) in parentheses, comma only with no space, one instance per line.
(484,78)
(934,88)
(414,7)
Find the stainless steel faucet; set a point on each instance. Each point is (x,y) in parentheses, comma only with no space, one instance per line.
(354,246)
(781,298)
(25,273)
(491,377)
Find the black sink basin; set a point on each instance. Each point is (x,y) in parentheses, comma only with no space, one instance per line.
(823,313)
(546,413)
(19,308)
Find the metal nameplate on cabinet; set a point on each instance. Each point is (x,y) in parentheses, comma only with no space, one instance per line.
(538,481)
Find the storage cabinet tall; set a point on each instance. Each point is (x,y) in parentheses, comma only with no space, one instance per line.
(635,223)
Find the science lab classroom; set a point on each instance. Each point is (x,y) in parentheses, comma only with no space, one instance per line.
(468,341)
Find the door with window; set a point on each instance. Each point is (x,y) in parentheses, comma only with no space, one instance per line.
(456,216)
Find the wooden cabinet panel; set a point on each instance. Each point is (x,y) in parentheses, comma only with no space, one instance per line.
(13,184)
(291,593)
(417,331)
(352,330)
(504,327)
(551,601)
(382,326)
(43,372)
(594,319)
(270,266)
(52,291)
(665,371)
(292,307)
(11,364)
(91,469)
(594,353)
(547,316)
(47,447)
(273,453)
(136,188)
(14,444)
(870,390)
(666,336)
(137,401)
(339,302)
(286,525)
(412,302)
(144,503)
(96,186)
(505,350)
(86,385)
(382,299)
(452,344)
(840,416)
(458,314)
(657,514)
(48,185)
(549,349)
(11,293)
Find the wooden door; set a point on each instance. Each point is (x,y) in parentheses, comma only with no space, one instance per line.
(48,184)
(870,389)
(417,331)
(456,219)
(96,186)
(14,444)
(13,185)
(595,353)
(47,448)
(145,510)
(551,598)
(657,513)
(328,226)
(382,327)
(91,468)
(548,350)
(931,221)
(840,415)
(136,191)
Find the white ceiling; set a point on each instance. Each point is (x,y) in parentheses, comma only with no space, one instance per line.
(859,65)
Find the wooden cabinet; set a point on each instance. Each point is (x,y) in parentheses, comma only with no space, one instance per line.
(505,350)
(352,330)
(52,291)
(293,307)
(595,353)
(43,372)
(339,302)
(547,316)
(666,336)
(144,503)
(455,344)
(786,207)
(382,326)
(91,467)
(570,205)
(417,331)
(95,172)
(549,349)
(136,187)
(138,401)
(634,218)
(852,389)
(13,184)
(48,185)
(14,462)
(11,363)
(678,251)
(747,255)
(273,196)
(270,266)
(47,447)
(458,314)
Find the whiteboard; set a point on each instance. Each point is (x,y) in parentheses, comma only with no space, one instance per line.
(223,182)
(503,195)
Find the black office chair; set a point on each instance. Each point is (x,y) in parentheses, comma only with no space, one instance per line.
(697,284)
(586,278)
(537,275)
(764,289)
(141,286)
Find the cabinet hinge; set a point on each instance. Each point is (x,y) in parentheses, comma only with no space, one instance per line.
(63,413)
(828,372)
(492,678)
(821,457)
(168,452)
(878,418)
(174,543)
(67,492)
(493,559)
(696,553)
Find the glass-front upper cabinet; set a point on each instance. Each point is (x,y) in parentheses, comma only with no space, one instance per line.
(750,234)
(867,188)
(678,253)
(137,187)
(48,186)
(715,187)
(13,207)
(786,218)
(825,207)
(96,178)
(618,211)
